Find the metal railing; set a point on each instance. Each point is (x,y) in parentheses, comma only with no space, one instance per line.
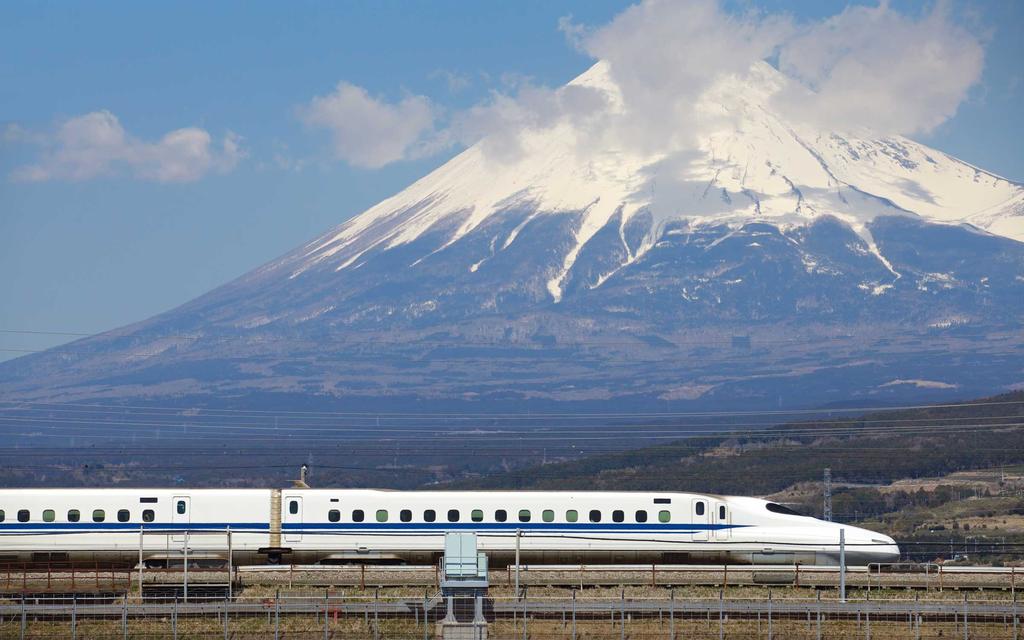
(339,615)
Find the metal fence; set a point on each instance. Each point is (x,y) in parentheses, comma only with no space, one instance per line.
(336,616)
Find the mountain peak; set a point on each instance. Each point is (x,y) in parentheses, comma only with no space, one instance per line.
(746,163)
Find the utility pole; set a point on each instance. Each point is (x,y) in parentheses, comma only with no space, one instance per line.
(827,511)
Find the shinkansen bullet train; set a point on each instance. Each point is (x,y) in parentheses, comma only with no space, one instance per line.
(302,525)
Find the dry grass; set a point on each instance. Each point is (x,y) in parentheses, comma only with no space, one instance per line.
(294,627)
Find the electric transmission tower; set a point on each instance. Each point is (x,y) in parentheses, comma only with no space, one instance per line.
(827,515)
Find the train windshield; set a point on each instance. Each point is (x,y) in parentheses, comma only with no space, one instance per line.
(778,508)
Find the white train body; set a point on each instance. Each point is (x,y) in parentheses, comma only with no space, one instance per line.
(364,525)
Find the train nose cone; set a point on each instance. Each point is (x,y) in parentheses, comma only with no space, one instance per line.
(886,548)
(874,548)
(864,547)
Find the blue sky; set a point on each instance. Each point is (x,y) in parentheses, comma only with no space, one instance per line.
(89,252)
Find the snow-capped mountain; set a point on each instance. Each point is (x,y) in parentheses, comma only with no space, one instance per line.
(581,267)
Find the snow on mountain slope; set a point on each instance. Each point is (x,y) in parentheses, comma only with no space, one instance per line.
(749,164)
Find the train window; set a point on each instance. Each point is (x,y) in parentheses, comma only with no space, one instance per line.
(721,512)
(3,516)
(699,508)
(429,515)
(382,515)
(477,515)
(358,515)
(74,515)
(641,516)
(524,515)
(572,515)
(664,516)
(148,500)
(778,508)
(405,515)
(98,515)
(23,515)
(49,515)
(333,515)
(180,507)
(293,507)
(500,515)
(595,515)
(618,515)
(453,515)
(123,515)
(148,515)
(548,515)
(663,501)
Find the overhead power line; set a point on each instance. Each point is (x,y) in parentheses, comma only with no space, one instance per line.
(532,414)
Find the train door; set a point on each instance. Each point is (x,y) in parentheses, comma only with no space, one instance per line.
(293,517)
(700,518)
(181,515)
(721,517)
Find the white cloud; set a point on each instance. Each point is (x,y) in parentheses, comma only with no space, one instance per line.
(663,54)
(500,121)
(875,68)
(95,145)
(369,132)
(866,68)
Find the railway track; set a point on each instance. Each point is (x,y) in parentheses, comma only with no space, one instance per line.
(922,577)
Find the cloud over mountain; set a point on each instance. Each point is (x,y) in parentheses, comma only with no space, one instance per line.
(866,70)
(371,132)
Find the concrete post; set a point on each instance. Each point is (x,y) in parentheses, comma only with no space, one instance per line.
(573,614)
(376,618)
(721,616)
(842,565)
(519,533)
(622,615)
(185,553)
(817,634)
(478,610)
(426,618)
(449,616)
(231,567)
(142,536)
(672,615)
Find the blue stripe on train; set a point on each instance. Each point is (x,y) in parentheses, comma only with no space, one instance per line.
(360,527)
(506,526)
(131,527)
